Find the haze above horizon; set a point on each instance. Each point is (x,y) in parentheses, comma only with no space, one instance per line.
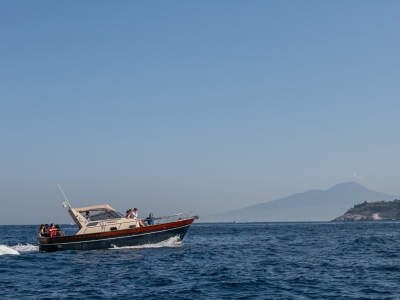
(204,106)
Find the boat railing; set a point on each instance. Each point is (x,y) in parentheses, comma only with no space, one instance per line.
(173,218)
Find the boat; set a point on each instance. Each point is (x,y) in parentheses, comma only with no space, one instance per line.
(107,228)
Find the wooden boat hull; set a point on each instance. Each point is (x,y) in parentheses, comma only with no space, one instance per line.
(119,238)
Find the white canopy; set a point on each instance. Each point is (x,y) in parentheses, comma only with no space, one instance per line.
(100,207)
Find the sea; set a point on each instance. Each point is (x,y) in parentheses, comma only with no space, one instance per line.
(359,260)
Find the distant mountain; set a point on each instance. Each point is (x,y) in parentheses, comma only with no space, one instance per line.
(313,205)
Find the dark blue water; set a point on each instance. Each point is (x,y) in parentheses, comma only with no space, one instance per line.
(215,261)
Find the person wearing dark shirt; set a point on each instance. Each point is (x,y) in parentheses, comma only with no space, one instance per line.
(150,219)
(58,230)
(87,216)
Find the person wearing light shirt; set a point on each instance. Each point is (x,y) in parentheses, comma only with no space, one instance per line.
(134,215)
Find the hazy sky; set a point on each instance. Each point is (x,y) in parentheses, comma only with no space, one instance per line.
(206,106)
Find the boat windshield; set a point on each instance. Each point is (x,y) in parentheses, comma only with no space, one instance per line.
(106,215)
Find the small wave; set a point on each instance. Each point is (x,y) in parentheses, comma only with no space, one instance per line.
(28,248)
(7,250)
(18,249)
(171,242)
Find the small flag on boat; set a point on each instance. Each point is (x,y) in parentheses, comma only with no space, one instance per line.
(65,204)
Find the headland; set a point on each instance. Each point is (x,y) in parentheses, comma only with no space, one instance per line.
(372,211)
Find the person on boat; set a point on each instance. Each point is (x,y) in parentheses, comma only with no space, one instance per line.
(52,230)
(87,216)
(46,229)
(134,215)
(58,231)
(40,232)
(128,214)
(150,219)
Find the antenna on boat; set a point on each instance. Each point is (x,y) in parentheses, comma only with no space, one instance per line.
(66,202)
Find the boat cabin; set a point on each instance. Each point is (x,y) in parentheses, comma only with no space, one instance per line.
(103,218)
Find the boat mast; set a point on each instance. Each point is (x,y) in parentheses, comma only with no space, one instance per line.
(69,205)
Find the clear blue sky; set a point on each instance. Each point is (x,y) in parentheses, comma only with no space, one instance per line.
(206,106)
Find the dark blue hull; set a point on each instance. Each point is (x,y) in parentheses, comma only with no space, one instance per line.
(124,239)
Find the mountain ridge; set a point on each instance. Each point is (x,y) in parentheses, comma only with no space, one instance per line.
(311,205)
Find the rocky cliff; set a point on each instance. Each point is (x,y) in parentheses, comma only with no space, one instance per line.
(372,211)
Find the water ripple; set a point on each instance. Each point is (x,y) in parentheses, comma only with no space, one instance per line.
(215,261)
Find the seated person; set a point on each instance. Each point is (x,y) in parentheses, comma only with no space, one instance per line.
(87,216)
(41,232)
(150,219)
(133,214)
(52,230)
(58,231)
